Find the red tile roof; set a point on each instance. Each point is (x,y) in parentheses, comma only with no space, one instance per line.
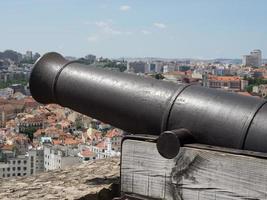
(71,141)
(113,133)
(87,153)
(56,142)
(7,147)
(224,78)
(101,145)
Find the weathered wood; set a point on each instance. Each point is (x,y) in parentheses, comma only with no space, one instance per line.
(196,173)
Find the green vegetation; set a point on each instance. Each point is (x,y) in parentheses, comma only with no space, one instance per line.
(158,76)
(29,131)
(11,82)
(78,124)
(106,63)
(254,82)
(249,88)
(25,61)
(111,64)
(184,68)
(85,61)
(58,126)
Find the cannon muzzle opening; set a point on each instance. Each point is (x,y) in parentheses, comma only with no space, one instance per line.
(44,76)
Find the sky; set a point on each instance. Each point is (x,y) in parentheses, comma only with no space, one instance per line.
(139,28)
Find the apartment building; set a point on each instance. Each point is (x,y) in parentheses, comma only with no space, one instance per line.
(59,157)
(12,165)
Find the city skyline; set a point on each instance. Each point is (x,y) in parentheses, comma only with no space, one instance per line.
(176,29)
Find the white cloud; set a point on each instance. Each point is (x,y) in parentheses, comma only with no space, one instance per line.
(92,38)
(107,28)
(101,24)
(145,32)
(159,25)
(125,8)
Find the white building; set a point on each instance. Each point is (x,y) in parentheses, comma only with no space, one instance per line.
(16,167)
(28,55)
(261,90)
(59,157)
(138,67)
(21,165)
(168,68)
(38,159)
(6,93)
(104,149)
(87,155)
(254,59)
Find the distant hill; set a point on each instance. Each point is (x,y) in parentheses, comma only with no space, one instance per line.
(12,55)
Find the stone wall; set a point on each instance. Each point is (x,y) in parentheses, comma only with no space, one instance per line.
(95,180)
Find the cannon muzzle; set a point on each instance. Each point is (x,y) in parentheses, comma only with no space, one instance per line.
(141,105)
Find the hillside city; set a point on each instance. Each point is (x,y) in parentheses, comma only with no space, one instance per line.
(35,138)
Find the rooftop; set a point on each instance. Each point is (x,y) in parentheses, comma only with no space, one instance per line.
(224,78)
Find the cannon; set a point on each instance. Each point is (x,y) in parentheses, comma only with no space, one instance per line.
(177,114)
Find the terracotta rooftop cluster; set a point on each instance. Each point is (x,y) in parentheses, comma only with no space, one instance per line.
(225,78)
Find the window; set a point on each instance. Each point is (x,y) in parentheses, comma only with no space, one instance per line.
(14,162)
(4,169)
(4,175)
(19,162)
(18,174)
(25,162)
(8,169)
(24,168)
(31,171)
(24,174)
(13,168)
(18,168)
(13,174)
(8,175)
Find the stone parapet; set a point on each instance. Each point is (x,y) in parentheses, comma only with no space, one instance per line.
(94,180)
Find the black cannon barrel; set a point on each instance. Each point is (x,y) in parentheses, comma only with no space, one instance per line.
(143,105)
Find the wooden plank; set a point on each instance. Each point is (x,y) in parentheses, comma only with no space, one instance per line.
(196,173)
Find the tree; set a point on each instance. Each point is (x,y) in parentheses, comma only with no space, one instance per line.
(114,64)
(249,88)
(158,76)
(29,131)
(78,123)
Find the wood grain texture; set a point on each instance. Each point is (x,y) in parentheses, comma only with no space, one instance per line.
(195,174)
